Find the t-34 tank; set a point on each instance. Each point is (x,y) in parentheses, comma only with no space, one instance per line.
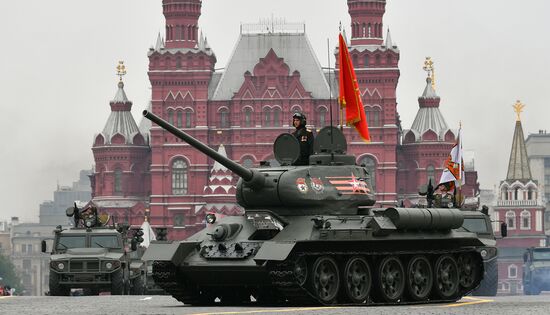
(308,236)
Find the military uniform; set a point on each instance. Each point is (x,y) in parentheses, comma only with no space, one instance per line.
(305,138)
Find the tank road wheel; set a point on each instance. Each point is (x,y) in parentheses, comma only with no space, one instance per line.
(300,270)
(468,271)
(446,277)
(326,279)
(358,279)
(391,277)
(419,278)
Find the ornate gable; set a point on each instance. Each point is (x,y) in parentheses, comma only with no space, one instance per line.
(271,79)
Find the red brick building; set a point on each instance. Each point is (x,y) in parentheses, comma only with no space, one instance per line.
(240,110)
(519,204)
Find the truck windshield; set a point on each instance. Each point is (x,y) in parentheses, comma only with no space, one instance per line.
(475,225)
(104,241)
(541,254)
(74,241)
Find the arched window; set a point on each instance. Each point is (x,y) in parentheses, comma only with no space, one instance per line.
(366,61)
(248,163)
(322,117)
(247,117)
(118,180)
(377,59)
(430,173)
(188,115)
(370,165)
(354,60)
(516,193)
(511,219)
(504,193)
(369,34)
(525,220)
(276,117)
(389,60)
(180,119)
(178,62)
(171,117)
(530,194)
(224,118)
(267,117)
(179,177)
(364,30)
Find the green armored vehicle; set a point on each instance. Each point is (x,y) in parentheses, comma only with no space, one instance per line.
(479,222)
(310,236)
(536,270)
(95,257)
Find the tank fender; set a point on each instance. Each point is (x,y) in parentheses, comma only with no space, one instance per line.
(175,252)
(425,218)
(277,251)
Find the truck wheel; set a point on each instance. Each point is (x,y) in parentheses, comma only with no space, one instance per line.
(55,288)
(117,282)
(489,284)
(137,287)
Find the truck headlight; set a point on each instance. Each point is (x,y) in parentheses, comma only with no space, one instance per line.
(60,266)
(483,253)
(109,265)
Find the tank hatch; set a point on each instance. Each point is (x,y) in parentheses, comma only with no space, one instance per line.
(286,149)
(330,148)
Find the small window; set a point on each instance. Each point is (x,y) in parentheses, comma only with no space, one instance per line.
(188,115)
(267,117)
(247,117)
(525,220)
(511,219)
(276,117)
(224,118)
(512,271)
(180,119)
(430,173)
(179,220)
(366,61)
(179,177)
(322,117)
(118,180)
(171,117)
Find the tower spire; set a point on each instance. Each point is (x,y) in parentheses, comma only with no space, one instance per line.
(518,166)
(366,21)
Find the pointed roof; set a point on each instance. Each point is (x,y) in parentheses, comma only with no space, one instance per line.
(389,42)
(429,117)
(120,120)
(160,43)
(518,166)
(294,48)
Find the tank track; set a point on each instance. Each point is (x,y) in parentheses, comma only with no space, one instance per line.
(165,276)
(285,281)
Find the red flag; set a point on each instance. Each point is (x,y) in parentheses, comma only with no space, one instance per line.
(350,95)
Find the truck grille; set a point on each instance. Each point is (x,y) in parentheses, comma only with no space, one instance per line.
(84,266)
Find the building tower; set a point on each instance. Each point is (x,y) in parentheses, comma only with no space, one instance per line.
(520,205)
(120,182)
(180,71)
(376,67)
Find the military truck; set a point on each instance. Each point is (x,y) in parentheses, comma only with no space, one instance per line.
(536,270)
(479,222)
(95,257)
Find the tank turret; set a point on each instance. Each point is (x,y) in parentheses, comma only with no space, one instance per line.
(330,184)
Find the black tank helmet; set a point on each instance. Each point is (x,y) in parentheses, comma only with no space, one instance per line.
(300,116)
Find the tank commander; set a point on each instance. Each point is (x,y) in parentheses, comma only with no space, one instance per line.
(443,198)
(304,136)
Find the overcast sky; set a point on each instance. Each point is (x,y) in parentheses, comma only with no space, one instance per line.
(58,58)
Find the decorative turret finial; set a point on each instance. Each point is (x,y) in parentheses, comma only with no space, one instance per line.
(147,214)
(429,68)
(121,69)
(518,108)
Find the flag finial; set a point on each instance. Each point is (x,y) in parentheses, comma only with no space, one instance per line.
(429,68)
(518,108)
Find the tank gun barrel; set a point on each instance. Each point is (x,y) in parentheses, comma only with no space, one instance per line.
(246,174)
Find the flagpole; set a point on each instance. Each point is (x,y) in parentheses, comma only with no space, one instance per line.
(330,88)
(460,164)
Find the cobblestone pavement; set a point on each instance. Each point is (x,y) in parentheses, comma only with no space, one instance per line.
(134,305)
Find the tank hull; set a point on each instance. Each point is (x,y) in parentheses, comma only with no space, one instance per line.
(311,262)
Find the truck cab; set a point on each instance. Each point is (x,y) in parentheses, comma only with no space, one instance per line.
(536,270)
(95,260)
